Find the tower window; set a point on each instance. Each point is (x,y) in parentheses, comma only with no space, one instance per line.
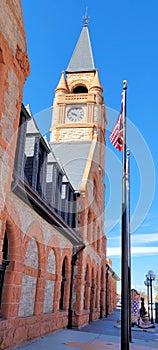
(80,90)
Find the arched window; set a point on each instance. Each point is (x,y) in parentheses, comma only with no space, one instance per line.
(98,240)
(95,189)
(89,227)
(62,289)
(102,291)
(94,233)
(96,290)
(5,247)
(4,264)
(92,297)
(1,56)
(86,289)
(80,90)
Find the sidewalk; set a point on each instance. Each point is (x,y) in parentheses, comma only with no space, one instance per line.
(99,335)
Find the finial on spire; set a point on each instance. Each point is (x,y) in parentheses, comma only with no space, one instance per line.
(86,18)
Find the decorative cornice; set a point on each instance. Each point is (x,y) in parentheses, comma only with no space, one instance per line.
(78,125)
(76,98)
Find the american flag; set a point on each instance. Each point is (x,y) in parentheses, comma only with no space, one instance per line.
(116,136)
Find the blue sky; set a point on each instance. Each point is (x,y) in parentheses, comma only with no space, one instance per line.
(124,38)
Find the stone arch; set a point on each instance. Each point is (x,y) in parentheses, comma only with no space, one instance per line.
(54,243)
(80,89)
(79,85)
(35,231)
(12,244)
(66,254)
(12,225)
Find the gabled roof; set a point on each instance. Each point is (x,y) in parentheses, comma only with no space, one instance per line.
(82,57)
(73,156)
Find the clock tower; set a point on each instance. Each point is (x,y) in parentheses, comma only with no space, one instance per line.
(78,111)
(77,137)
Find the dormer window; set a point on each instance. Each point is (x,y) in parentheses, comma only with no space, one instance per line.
(80,90)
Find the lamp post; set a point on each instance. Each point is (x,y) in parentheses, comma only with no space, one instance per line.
(146,282)
(151,277)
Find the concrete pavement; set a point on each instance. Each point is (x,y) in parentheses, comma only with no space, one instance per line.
(99,335)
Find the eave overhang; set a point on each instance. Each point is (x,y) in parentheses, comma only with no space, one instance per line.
(113,273)
(32,198)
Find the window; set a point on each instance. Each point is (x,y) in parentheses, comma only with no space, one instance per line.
(4,263)
(80,90)
(62,290)
(86,289)
(63,192)
(41,170)
(95,189)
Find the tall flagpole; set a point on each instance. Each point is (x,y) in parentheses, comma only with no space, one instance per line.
(129,241)
(125,245)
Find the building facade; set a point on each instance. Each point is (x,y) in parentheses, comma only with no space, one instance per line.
(52,240)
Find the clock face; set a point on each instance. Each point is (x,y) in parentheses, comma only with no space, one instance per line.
(75,114)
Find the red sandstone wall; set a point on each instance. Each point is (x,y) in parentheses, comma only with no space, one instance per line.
(14,68)
(29,307)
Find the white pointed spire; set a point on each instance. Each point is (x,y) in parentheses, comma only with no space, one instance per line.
(82,57)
